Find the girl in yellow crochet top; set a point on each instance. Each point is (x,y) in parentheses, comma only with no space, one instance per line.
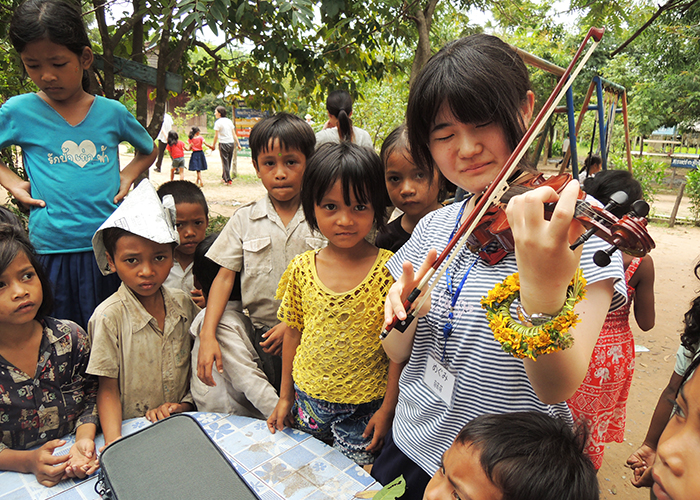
(334,369)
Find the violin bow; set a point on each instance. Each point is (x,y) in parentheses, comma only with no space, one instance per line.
(498,187)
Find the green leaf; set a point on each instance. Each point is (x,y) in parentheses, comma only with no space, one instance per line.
(393,490)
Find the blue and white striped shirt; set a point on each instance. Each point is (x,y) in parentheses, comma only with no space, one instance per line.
(488,380)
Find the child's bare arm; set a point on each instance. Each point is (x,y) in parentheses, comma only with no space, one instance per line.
(48,469)
(381,421)
(644,304)
(109,407)
(167,409)
(82,457)
(641,460)
(136,167)
(274,339)
(209,350)
(19,188)
(281,416)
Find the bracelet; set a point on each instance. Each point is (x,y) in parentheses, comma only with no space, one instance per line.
(529,336)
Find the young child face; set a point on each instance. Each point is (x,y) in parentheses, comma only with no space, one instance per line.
(409,187)
(191,225)
(281,171)
(343,225)
(21,294)
(55,69)
(677,462)
(142,264)
(461,476)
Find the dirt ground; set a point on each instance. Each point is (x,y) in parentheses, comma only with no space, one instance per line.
(675,256)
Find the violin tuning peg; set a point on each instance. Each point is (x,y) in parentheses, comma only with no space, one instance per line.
(602,257)
(640,208)
(616,199)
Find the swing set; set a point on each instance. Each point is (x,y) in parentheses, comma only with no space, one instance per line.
(608,96)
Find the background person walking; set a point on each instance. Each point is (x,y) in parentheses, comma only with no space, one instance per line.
(228,144)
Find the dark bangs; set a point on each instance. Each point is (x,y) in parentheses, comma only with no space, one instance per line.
(356,167)
(292,132)
(480,78)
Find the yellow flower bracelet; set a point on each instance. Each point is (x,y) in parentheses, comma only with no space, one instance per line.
(530,341)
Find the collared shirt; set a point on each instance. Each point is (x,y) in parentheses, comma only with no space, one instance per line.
(179,278)
(152,365)
(57,398)
(256,244)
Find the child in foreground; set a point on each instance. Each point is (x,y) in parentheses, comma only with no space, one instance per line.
(40,401)
(140,339)
(177,148)
(191,224)
(258,242)
(515,456)
(243,388)
(675,471)
(641,460)
(334,370)
(600,403)
(69,140)
(410,188)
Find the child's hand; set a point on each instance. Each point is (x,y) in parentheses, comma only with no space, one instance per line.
(107,443)
(83,460)
(198,298)
(400,290)
(378,427)
(22,191)
(165,410)
(281,416)
(209,353)
(124,185)
(48,469)
(640,462)
(273,339)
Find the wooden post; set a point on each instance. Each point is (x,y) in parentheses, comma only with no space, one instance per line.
(674,212)
(627,131)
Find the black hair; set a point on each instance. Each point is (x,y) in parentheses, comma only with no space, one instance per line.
(481,79)
(339,104)
(59,21)
(14,240)
(355,166)
(532,456)
(110,236)
(193,131)
(8,217)
(291,131)
(173,138)
(205,270)
(221,110)
(603,185)
(397,142)
(184,192)
(691,321)
(589,162)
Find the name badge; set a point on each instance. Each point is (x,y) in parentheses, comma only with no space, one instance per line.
(439,380)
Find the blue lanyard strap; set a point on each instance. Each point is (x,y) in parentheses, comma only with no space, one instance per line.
(449,326)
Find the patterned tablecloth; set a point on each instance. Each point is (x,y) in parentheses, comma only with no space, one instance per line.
(288,464)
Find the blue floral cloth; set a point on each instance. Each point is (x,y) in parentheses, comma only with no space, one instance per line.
(57,398)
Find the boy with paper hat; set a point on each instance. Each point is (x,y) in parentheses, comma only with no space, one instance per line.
(140,335)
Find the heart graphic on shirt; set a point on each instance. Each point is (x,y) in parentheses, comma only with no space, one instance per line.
(80,155)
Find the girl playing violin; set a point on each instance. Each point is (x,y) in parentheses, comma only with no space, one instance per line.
(467,112)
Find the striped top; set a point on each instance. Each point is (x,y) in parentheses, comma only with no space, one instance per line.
(488,380)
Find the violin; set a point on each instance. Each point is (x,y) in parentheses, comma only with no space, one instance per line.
(628,234)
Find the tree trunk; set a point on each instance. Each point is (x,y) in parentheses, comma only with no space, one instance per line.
(423,19)
(137,55)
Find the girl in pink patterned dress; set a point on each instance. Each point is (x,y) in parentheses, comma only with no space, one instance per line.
(600,403)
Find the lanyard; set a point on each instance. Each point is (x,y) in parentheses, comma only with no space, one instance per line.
(449,326)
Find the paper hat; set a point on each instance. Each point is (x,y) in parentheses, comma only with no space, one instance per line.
(142,214)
